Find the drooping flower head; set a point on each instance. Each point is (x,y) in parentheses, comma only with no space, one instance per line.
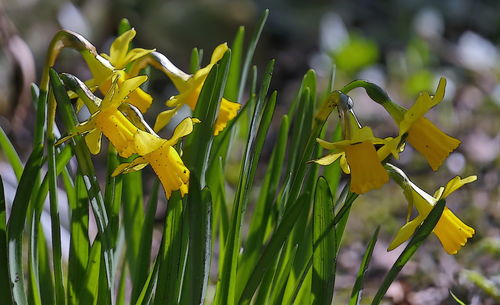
(104,66)
(189,87)
(163,158)
(128,139)
(357,152)
(450,230)
(107,119)
(423,135)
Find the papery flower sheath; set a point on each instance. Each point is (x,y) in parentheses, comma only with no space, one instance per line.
(104,66)
(359,157)
(423,135)
(450,230)
(163,158)
(189,87)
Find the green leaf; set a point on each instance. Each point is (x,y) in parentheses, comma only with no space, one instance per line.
(250,52)
(199,142)
(232,88)
(268,256)
(324,257)
(133,217)
(263,209)
(79,243)
(17,219)
(142,267)
(460,302)
(170,269)
(416,241)
(91,184)
(11,154)
(4,271)
(358,285)
(261,120)
(89,285)
(199,206)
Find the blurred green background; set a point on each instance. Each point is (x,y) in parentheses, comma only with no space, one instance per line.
(403,46)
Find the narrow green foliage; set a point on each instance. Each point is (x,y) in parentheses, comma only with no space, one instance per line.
(133,218)
(267,257)
(261,120)
(79,243)
(170,269)
(90,179)
(416,241)
(250,52)
(324,257)
(263,210)
(357,289)
(199,206)
(4,271)
(142,267)
(89,285)
(199,142)
(10,153)
(460,302)
(233,79)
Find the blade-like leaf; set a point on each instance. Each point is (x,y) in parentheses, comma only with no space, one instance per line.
(4,271)
(170,269)
(250,51)
(232,86)
(91,184)
(79,243)
(199,205)
(268,256)
(261,120)
(416,241)
(357,289)
(10,153)
(324,257)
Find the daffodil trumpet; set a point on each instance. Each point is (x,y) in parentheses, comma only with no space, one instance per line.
(450,230)
(357,152)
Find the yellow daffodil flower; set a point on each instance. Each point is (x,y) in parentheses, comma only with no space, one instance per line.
(423,135)
(359,157)
(163,158)
(189,87)
(108,120)
(450,230)
(104,66)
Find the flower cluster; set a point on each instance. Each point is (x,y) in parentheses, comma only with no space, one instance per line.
(364,157)
(118,116)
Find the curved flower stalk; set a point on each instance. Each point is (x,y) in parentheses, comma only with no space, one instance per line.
(450,230)
(104,66)
(423,135)
(163,158)
(358,155)
(189,87)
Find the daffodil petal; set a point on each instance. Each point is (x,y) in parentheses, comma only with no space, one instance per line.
(328,159)
(456,183)
(164,118)
(405,233)
(183,129)
(93,140)
(124,168)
